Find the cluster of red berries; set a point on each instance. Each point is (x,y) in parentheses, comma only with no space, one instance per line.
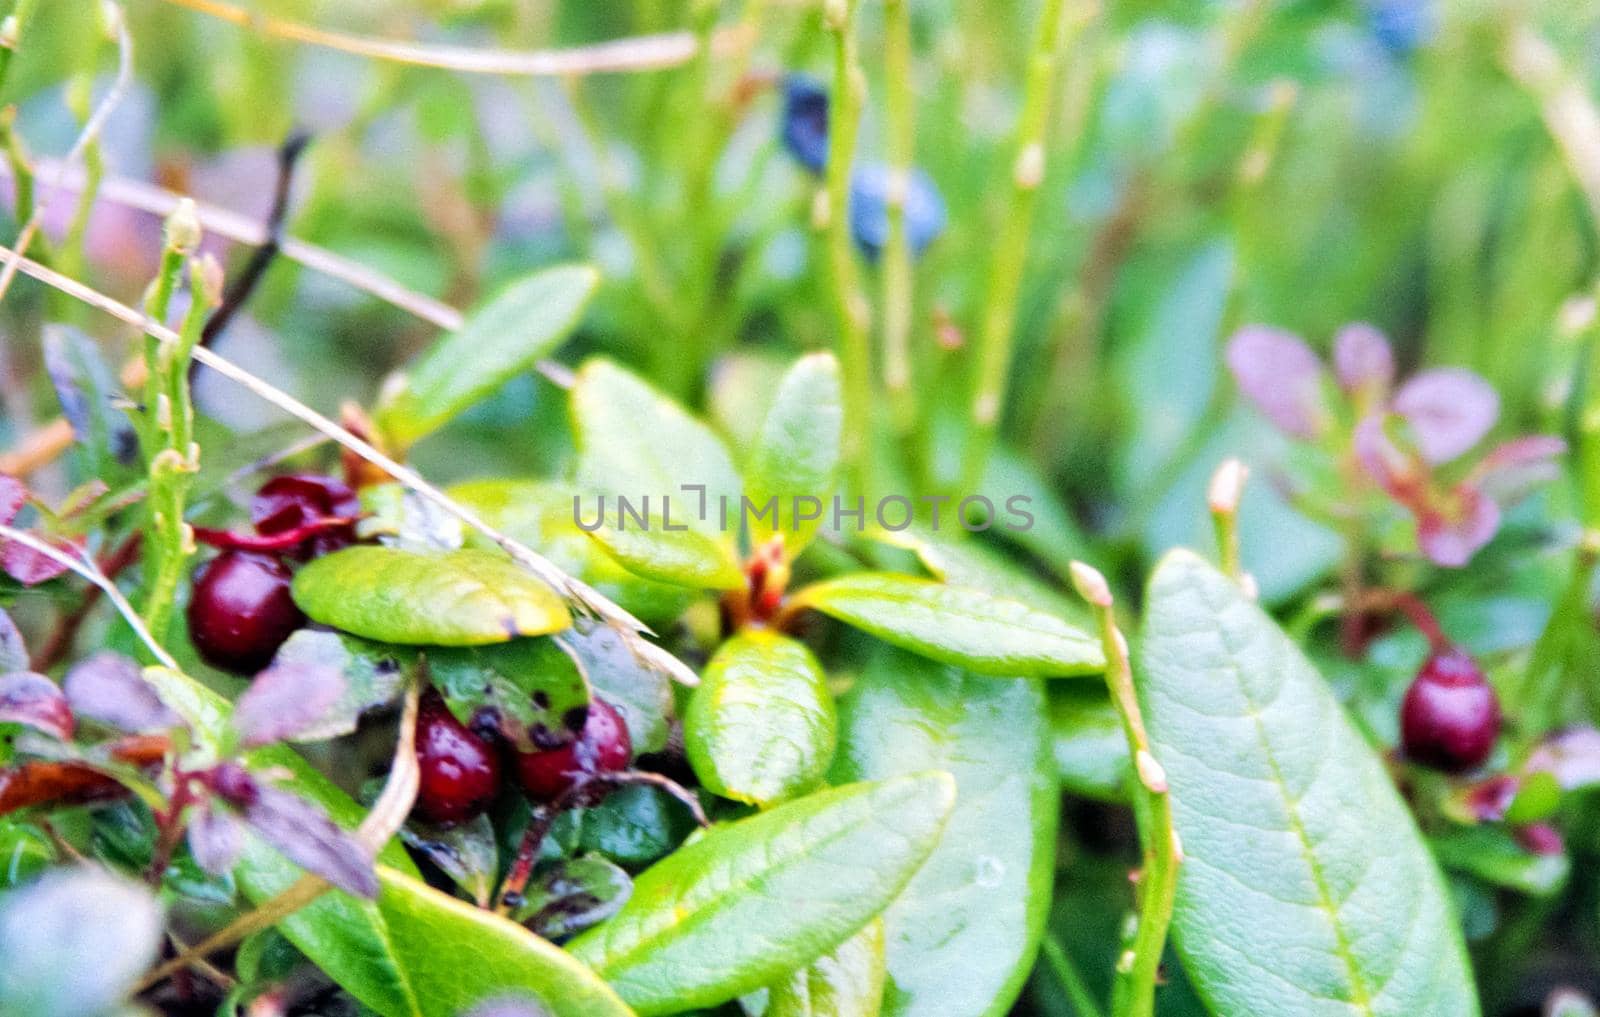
(241,610)
(461,769)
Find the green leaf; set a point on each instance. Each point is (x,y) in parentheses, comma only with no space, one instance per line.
(845,983)
(966,562)
(456,598)
(1091,749)
(634,825)
(633,441)
(498,341)
(681,556)
(1493,855)
(642,694)
(533,689)
(572,895)
(466,852)
(797,452)
(961,937)
(750,902)
(542,516)
(1305,887)
(958,625)
(761,727)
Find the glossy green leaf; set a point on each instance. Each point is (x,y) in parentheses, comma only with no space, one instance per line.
(466,852)
(668,554)
(455,598)
(543,516)
(572,895)
(634,825)
(958,625)
(761,727)
(532,689)
(968,562)
(797,452)
(750,902)
(962,936)
(633,441)
(642,694)
(1305,888)
(498,341)
(848,982)
(1090,747)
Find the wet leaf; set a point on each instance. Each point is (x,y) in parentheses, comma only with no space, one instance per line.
(499,340)
(848,982)
(642,694)
(285,701)
(370,675)
(110,688)
(458,598)
(1277,799)
(961,937)
(27,697)
(752,901)
(796,453)
(1449,409)
(531,690)
(761,727)
(74,943)
(573,895)
(957,625)
(466,852)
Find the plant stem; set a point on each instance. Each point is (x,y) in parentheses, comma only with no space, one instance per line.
(996,336)
(1071,979)
(1227,487)
(1133,994)
(897,275)
(833,216)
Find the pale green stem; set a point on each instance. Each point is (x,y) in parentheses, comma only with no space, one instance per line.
(850,303)
(1133,993)
(897,274)
(995,339)
(1071,979)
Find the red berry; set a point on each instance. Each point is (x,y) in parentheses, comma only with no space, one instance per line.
(1450,716)
(288,502)
(460,771)
(241,611)
(603,746)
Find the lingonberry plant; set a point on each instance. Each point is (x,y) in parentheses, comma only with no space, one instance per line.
(906,527)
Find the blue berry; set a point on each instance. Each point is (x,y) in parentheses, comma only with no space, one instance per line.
(805,121)
(1400,26)
(869,210)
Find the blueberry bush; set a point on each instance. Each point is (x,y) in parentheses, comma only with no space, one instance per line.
(820,508)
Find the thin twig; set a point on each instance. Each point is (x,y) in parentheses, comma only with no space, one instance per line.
(576,591)
(639,53)
(86,137)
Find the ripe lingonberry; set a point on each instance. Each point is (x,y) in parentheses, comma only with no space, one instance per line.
(805,121)
(1450,716)
(603,746)
(293,500)
(241,611)
(460,772)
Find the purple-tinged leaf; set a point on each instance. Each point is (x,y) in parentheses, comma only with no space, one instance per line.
(1279,374)
(305,835)
(1449,409)
(32,699)
(1362,360)
(29,567)
(111,689)
(1401,475)
(1515,469)
(1451,533)
(1572,757)
(13,495)
(1488,800)
(285,700)
(13,652)
(215,840)
(508,1008)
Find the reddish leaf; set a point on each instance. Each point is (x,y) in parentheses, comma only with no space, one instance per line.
(13,495)
(1279,374)
(1513,470)
(307,837)
(52,783)
(32,699)
(1401,475)
(1572,757)
(1541,839)
(1488,800)
(29,567)
(1451,532)
(111,689)
(1449,409)
(1362,360)
(285,700)
(215,840)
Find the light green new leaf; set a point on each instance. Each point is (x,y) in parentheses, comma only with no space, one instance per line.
(959,625)
(752,901)
(845,983)
(497,342)
(961,937)
(633,441)
(454,598)
(682,557)
(797,452)
(761,727)
(1305,887)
